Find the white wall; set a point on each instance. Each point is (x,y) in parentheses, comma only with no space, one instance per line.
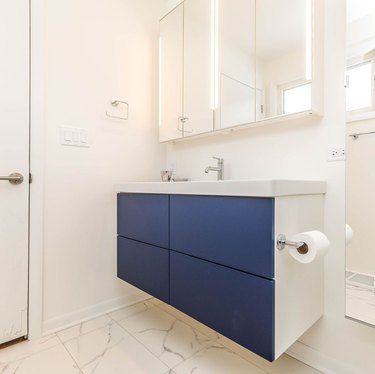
(298,150)
(94,50)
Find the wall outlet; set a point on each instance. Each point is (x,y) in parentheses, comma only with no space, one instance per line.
(336,153)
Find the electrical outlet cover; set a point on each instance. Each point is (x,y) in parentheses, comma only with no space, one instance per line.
(336,153)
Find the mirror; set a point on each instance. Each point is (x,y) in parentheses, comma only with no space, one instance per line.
(360,151)
(283,42)
(230,63)
(265,59)
(236,46)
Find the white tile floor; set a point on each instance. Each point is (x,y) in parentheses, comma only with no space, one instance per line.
(360,303)
(146,338)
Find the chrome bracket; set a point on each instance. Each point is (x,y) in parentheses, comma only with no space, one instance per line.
(281,243)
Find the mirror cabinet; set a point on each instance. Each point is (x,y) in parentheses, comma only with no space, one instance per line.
(227,64)
(185,71)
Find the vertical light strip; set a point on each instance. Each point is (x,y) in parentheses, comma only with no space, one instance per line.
(214,54)
(160,81)
(308,41)
(216,96)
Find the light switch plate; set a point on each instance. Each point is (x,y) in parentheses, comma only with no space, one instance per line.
(74,136)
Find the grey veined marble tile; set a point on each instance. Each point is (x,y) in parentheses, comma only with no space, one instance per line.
(170,339)
(155,301)
(112,350)
(55,360)
(83,328)
(131,310)
(216,359)
(360,303)
(27,348)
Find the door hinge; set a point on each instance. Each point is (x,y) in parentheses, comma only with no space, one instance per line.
(30,178)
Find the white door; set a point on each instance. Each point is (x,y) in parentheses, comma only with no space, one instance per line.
(14,158)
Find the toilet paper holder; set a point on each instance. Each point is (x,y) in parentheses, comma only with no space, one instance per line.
(301,247)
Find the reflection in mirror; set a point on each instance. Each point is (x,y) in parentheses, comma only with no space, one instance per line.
(284,57)
(236,32)
(360,130)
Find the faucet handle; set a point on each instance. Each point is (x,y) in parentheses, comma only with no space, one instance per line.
(218,158)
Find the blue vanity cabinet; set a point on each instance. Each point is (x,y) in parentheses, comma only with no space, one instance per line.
(237,232)
(235,304)
(143,242)
(144,266)
(214,258)
(144,217)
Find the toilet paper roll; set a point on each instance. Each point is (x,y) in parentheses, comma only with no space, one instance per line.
(318,245)
(349,234)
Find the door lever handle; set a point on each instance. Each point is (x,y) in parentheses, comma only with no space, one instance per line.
(14,178)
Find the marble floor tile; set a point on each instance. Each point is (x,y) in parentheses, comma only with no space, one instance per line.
(360,303)
(212,334)
(27,348)
(155,301)
(288,365)
(170,339)
(283,365)
(216,359)
(83,328)
(111,350)
(55,360)
(131,310)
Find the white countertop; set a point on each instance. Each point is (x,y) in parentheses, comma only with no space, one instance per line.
(256,188)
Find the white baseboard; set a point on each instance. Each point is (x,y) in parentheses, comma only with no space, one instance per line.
(74,318)
(319,360)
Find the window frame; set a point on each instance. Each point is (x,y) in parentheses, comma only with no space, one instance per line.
(358,61)
(289,86)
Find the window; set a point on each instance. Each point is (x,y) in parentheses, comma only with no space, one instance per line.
(359,90)
(296,99)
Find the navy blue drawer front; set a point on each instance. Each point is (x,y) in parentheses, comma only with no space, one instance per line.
(232,231)
(144,218)
(144,266)
(237,305)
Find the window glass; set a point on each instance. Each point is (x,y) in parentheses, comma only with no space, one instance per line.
(297,99)
(359,86)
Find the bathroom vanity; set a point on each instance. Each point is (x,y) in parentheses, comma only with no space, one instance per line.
(208,249)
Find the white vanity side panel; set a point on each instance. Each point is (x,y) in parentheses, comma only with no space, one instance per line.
(299,292)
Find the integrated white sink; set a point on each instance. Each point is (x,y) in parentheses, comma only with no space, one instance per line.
(257,188)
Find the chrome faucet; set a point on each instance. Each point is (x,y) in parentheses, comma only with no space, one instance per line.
(219,168)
